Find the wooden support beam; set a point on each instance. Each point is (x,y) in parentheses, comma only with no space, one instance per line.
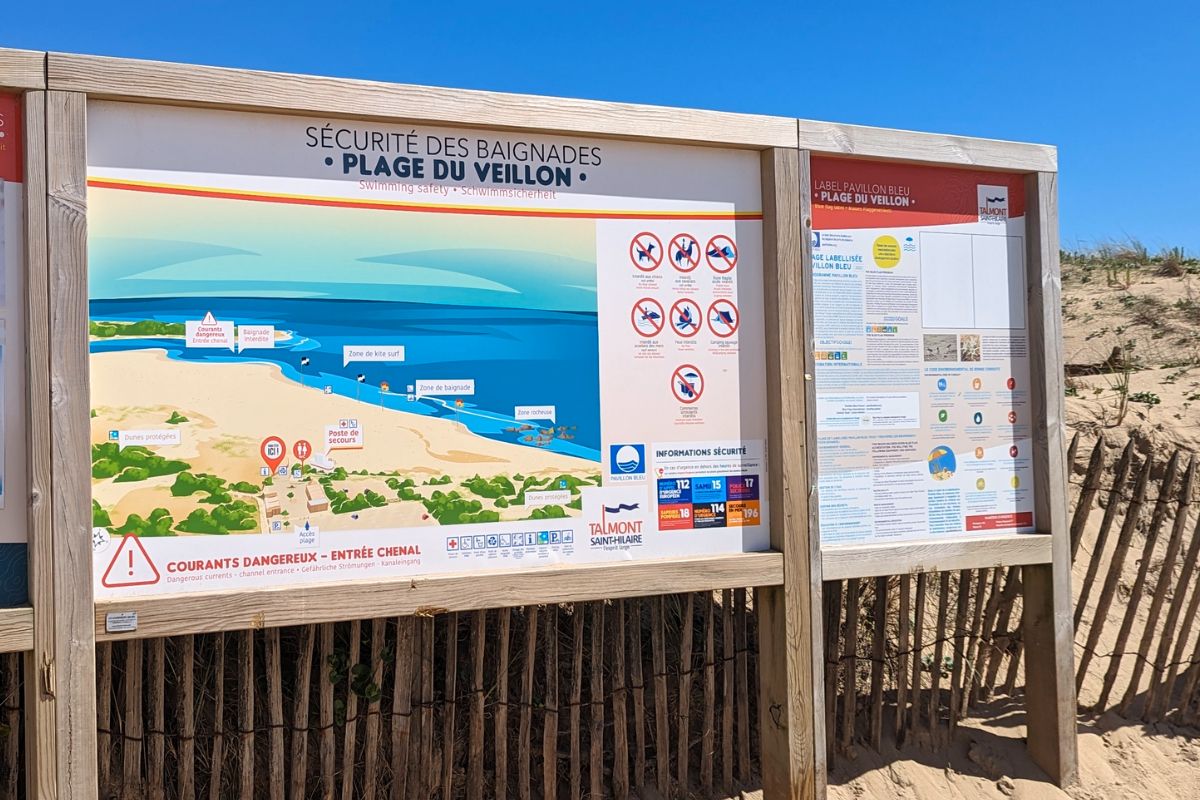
(1048,632)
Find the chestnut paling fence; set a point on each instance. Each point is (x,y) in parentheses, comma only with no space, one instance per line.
(653,696)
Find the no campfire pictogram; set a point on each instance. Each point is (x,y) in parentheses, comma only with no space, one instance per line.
(687,384)
(685,252)
(723,318)
(721,253)
(685,318)
(131,566)
(647,317)
(646,251)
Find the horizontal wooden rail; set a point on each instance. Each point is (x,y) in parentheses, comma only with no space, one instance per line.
(902,558)
(16,629)
(22,69)
(172,615)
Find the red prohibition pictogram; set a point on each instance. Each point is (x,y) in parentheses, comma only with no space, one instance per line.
(302,449)
(721,253)
(723,318)
(646,251)
(687,384)
(647,317)
(131,566)
(685,318)
(685,252)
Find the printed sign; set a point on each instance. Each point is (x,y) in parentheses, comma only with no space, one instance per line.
(922,352)
(513,319)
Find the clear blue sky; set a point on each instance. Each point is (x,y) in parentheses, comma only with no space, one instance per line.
(1114,86)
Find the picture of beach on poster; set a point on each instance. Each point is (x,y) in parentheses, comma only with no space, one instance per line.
(336,366)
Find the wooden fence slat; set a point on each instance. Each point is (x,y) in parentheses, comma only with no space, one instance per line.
(902,647)
(10,668)
(273,667)
(132,787)
(371,743)
(550,706)
(727,663)
(1166,571)
(1134,601)
(526,723)
(683,739)
(246,714)
(619,691)
(662,744)
(960,631)
(350,730)
(1165,670)
(850,664)
(103,718)
(186,760)
(1000,644)
(156,668)
(742,646)
(637,678)
(877,651)
(428,771)
(939,641)
(301,703)
(577,626)
(402,709)
(475,726)
(328,746)
(1108,591)
(217,758)
(973,643)
(596,698)
(708,732)
(914,720)
(502,700)
(1087,495)
(1072,448)
(450,705)
(1120,475)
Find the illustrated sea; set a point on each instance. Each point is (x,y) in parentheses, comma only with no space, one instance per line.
(517,357)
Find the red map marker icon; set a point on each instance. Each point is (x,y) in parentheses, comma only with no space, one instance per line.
(272,451)
(302,449)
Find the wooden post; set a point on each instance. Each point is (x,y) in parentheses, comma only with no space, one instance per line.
(791,713)
(61,673)
(1046,621)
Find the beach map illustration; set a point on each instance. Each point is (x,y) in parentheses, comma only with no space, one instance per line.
(324,351)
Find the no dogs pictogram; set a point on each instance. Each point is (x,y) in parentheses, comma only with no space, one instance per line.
(131,566)
(646,251)
(685,252)
(721,253)
(647,317)
(687,384)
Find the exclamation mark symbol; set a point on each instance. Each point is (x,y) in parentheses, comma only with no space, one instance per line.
(131,563)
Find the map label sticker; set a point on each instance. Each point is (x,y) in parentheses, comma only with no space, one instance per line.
(120,622)
(209,332)
(534,412)
(553,498)
(258,337)
(446,387)
(148,438)
(372,352)
(346,435)
(307,536)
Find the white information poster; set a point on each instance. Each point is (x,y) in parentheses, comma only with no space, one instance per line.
(327,350)
(921,351)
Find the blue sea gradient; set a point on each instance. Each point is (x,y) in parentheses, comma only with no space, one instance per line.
(515,356)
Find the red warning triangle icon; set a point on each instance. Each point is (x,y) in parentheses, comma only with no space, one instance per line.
(131,566)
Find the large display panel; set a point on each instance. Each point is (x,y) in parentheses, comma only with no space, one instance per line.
(922,353)
(327,350)
(14,520)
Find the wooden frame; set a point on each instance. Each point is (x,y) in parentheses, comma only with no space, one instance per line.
(62,640)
